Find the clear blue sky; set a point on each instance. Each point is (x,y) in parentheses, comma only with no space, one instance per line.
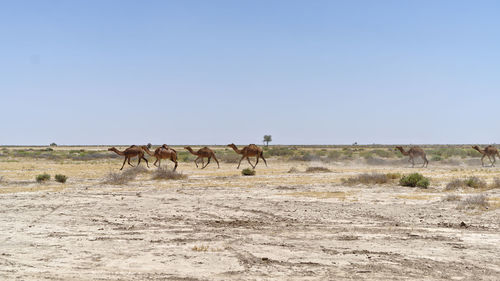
(216,72)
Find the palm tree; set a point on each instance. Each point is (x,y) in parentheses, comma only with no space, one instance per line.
(267,139)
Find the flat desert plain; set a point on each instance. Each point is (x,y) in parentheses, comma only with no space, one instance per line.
(219,225)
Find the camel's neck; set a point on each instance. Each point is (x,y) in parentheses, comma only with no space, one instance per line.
(236,149)
(148,151)
(403,151)
(480,150)
(191,150)
(118,151)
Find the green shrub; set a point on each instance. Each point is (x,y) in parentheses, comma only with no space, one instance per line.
(42,178)
(248,172)
(436,158)
(414,180)
(61,178)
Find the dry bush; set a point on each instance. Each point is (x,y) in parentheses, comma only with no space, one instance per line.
(165,174)
(452,197)
(293,170)
(455,184)
(374,178)
(317,170)
(474,201)
(248,172)
(119,177)
(393,176)
(475,182)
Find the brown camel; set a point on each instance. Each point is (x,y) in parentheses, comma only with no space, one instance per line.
(249,151)
(488,151)
(204,152)
(162,152)
(414,152)
(130,152)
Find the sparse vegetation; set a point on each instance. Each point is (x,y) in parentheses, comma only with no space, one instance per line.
(201,248)
(119,178)
(61,178)
(474,201)
(293,170)
(414,180)
(42,178)
(373,178)
(317,169)
(473,182)
(452,197)
(165,174)
(248,172)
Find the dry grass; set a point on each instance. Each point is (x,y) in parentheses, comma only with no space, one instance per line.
(165,174)
(317,170)
(373,178)
(473,182)
(474,201)
(452,197)
(293,170)
(415,197)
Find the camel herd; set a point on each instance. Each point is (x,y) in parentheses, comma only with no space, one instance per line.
(252,150)
(166,152)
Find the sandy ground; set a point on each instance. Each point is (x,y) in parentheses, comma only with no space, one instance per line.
(219,225)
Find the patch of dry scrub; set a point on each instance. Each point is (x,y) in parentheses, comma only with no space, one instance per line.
(474,201)
(373,178)
(473,182)
(124,177)
(317,170)
(165,174)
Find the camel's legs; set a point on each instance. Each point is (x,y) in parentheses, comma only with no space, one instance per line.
(491,162)
(124,160)
(425,161)
(242,157)
(196,161)
(257,160)
(129,162)
(494,161)
(208,162)
(262,156)
(412,162)
(482,162)
(156,162)
(175,161)
(253,167)
(218,166)
(147,164)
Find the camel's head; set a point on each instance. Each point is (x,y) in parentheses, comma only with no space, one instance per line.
(475,147)
(231,145)
(111,148)
(187,147)
(164,146)
(398,148)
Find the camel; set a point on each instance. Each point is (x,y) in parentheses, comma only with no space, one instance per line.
(414,152)
(249,151)
(162,152)
(204,152)
(488,151)
(130,152)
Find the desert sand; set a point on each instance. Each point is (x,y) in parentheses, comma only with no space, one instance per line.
(220,225)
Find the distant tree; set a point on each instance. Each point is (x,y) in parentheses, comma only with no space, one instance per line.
(267,139)
(149,145)
(53,144)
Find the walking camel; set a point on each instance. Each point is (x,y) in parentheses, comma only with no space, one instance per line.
(488,151)
(204,152)
(249,151)
(162,152)
(130,152)
(414,152)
